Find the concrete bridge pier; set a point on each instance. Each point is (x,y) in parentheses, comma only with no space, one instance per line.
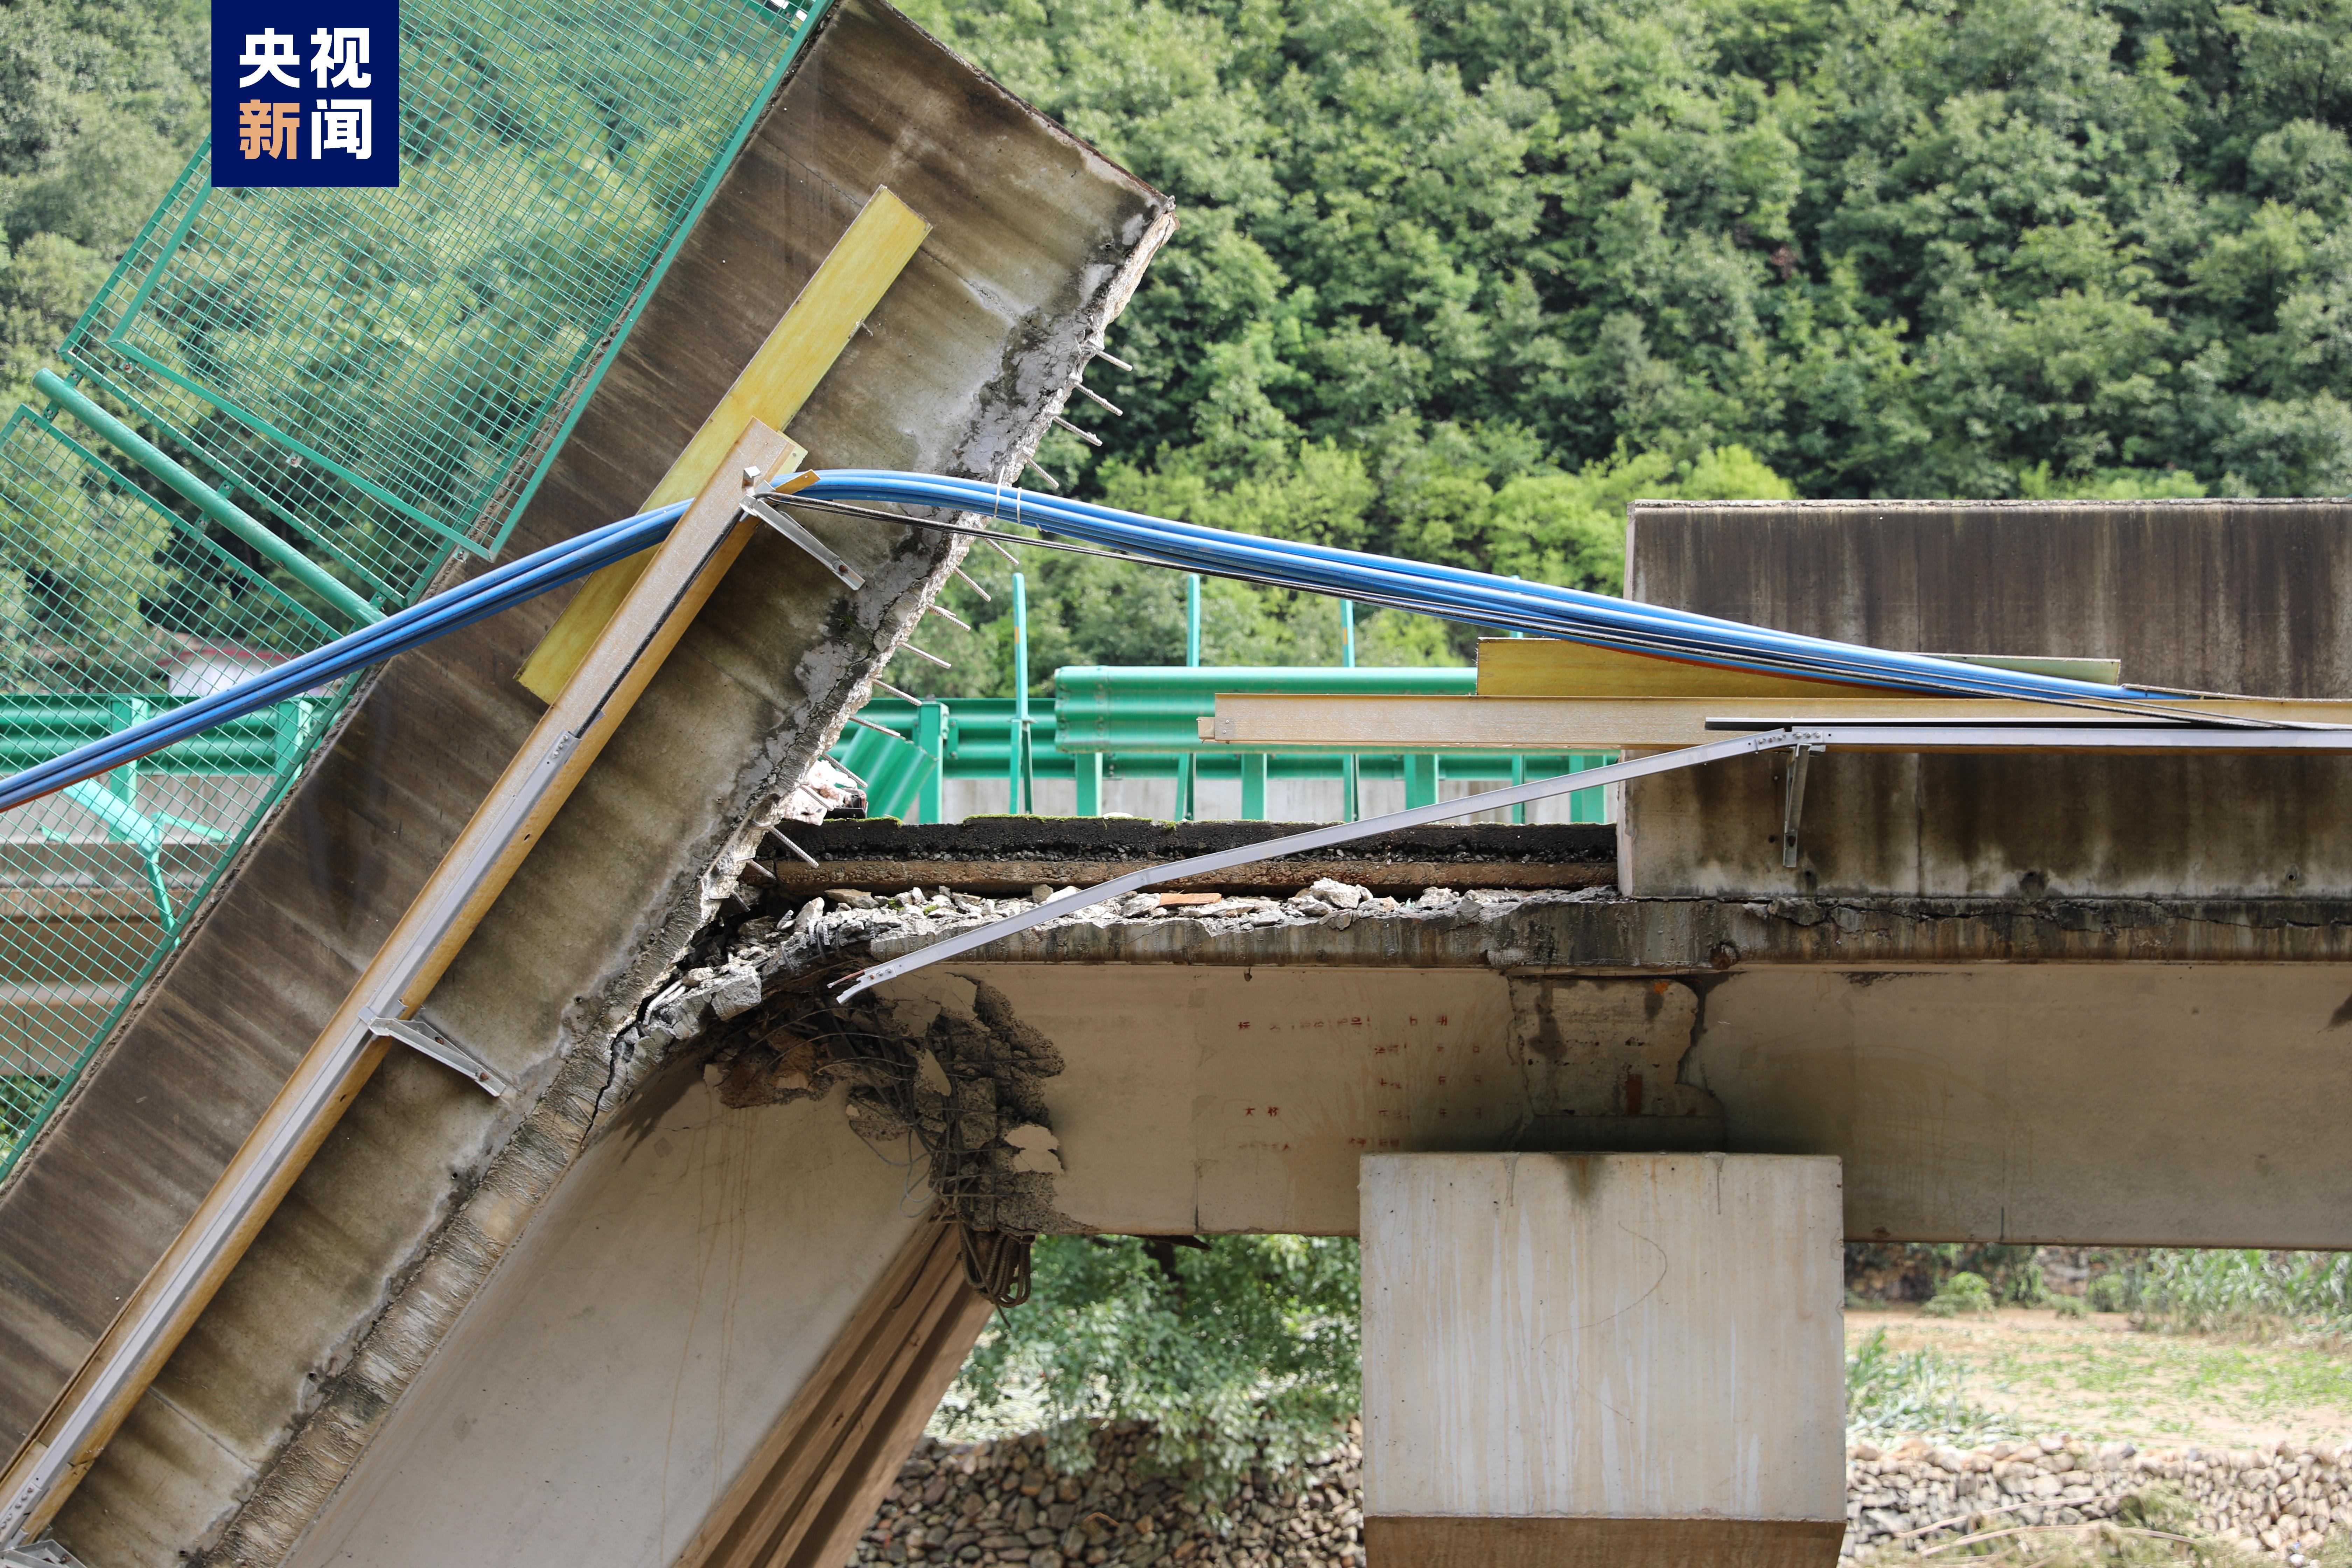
(1602,1361)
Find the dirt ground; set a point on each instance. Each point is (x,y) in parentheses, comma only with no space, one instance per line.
(2098,1377)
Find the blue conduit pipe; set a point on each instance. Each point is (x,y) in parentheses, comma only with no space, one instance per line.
(1455,592)
(1458,593)
(437,616)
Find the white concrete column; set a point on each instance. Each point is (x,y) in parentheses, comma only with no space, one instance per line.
(1602,1361)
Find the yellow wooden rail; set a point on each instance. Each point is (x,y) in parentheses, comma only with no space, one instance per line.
(1547,666)
(1256,721)
(846,287)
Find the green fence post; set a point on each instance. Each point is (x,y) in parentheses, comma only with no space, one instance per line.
(1185,772)
(931,739)
(1421,779)
(1519,767)
(1017,773)
(209,500)
(1252,786)
(1585,805)
(289,735)
(123,780)
(1090,781)
(1348,661)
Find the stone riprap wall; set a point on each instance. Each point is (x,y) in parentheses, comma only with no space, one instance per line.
(999,1503)
(2284,1500)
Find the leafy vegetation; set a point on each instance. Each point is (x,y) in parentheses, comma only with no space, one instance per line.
(1919,1393)
(1453,280)
(99,107)
(1457,282)
(1962,1292)
(2245,1291)
(2109,1293)
(1239,1351)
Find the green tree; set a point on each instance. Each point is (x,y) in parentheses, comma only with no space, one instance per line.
(1456,281)
(1240,1351)
(99,107)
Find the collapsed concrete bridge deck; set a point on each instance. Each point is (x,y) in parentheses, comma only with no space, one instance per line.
(680,1297)
(2087,1055)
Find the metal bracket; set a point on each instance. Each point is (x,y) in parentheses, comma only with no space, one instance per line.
(422,1037)
(38,1554)
(1792,801)
(759,507)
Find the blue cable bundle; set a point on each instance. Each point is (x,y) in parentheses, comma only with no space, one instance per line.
(443,613)
(1450,592)
(1456,594)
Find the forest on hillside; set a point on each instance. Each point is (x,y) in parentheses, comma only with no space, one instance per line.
(1457,280)
(99,107)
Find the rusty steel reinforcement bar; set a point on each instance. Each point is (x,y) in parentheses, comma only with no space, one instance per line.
(2053,739)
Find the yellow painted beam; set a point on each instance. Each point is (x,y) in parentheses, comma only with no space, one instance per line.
(1254,722)
(846,287)
(1546,667)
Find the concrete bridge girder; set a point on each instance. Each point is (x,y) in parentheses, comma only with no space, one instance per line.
(1241,1089)
(1036,242)
(2057,1103)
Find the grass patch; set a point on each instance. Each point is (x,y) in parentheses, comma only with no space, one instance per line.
(2246,1292)
(1917,1392)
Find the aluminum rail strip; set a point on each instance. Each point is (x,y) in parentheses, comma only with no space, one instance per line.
(1846,738)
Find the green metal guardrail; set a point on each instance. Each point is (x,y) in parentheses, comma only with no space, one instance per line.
(1143,721)
(1140,722)
(283,413)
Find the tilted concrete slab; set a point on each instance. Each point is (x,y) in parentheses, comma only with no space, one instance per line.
(1036,246)
(619,1373)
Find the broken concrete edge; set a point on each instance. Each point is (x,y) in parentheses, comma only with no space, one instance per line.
(778,943)
(1040,837)
(595,1066)
(1402,877)
(1598,930)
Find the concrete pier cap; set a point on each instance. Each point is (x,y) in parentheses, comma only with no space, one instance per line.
(1602,1361)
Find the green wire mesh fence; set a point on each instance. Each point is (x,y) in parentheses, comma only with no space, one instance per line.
(341,388)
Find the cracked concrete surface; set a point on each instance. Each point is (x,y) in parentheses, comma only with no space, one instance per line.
(1226,1062)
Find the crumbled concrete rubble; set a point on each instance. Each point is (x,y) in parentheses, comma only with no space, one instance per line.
(754,948)
(998,1502)
(2285,1501)
(825,788)
(962,1084)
